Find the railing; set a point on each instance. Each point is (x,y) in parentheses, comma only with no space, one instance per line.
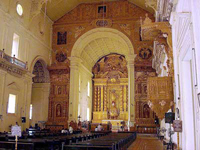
(13,60)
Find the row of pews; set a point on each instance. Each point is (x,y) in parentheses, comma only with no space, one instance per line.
(45,141)
(112,141)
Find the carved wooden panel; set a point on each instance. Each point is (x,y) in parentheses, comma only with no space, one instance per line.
(59,97)
(144,114)
(120,15)
(160,94)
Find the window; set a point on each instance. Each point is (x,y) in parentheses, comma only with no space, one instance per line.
(19,9)
(31,111)
(15,45)
(88,88)
(11,103)
(88,114)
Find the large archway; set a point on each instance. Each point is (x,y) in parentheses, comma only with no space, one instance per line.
(87,50)
(40,93)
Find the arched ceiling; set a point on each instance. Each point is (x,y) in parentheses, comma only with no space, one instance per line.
(100,47)
(58,8)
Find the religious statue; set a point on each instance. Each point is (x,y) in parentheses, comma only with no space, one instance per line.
(113,109)
(58,110)
(101,11)
(146,111)
(59,90)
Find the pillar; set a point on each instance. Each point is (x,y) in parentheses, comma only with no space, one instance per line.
(27,97)
(131,90)
(74,88)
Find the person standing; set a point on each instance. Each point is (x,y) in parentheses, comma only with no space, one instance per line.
(70,129)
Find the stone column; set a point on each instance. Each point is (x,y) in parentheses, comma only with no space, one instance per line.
(74,88)
(131,90)
(2,90)
(27,97)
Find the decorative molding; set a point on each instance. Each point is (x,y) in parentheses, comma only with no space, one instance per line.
(12,69)
(78,30)
(160,94)
(102,23)
(126,28)
(152,3)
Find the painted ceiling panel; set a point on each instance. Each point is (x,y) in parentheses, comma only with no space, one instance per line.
(58,8)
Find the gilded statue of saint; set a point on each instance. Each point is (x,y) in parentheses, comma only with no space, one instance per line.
(113,109)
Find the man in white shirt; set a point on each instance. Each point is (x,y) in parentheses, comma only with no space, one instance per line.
(70,129)
(100,128)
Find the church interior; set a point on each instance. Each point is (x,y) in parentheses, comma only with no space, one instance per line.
(100,74)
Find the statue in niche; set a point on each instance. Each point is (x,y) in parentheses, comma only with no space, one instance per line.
(58,110)
(59,90)
(62,38)
(145,89)
(146,111)
(113,109)
(101,11)
(139,88)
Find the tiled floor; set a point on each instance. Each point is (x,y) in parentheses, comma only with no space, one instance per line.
(146,143)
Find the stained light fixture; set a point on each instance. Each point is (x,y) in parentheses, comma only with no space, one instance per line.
(19,9)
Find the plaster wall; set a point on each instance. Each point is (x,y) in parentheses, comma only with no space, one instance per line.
(32,46)
(40,102)
(85,101)
(185,32)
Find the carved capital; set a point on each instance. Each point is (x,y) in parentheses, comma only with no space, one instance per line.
(131,60)
(75,62)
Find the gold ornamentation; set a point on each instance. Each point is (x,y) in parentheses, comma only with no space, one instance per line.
(156,30)
(109,73)
(126,28)
(78,30)
(160,94)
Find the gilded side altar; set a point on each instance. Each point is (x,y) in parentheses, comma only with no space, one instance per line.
(110,101)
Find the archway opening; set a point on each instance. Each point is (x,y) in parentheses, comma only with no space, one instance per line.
(40,93)
(86,52)
(110,90)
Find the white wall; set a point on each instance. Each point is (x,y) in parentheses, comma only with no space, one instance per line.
(85,101)
(185,33)
(33,46)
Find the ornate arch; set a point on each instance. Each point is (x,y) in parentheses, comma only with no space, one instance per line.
(100,33)
(39,69)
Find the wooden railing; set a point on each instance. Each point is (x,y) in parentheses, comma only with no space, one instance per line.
(13,60)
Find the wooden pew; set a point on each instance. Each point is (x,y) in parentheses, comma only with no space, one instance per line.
(114,141)
(11,145)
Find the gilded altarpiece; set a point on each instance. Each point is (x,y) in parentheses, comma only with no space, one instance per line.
(110,97)
(59,97)
(120,15)
(144,115)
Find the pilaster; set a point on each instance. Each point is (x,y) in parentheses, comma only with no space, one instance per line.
(74,88)
(131,89)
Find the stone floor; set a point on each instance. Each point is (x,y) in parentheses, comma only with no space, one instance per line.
(144,142)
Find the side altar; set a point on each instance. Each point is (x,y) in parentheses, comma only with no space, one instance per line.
(110,94)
